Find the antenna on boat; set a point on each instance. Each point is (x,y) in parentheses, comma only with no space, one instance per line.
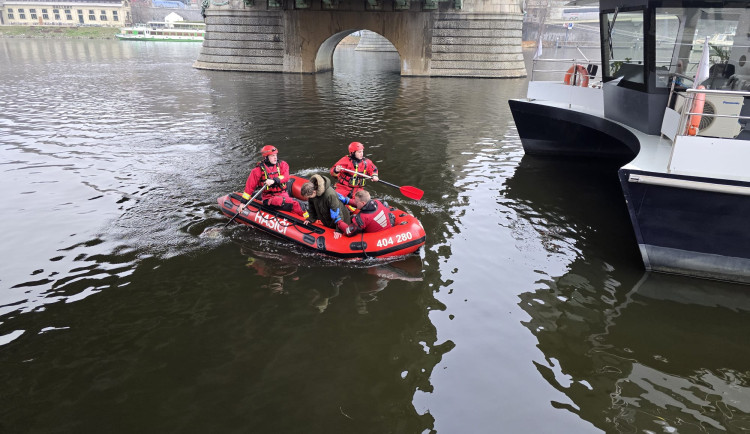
(610,27)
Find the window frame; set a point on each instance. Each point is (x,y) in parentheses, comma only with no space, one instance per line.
(646,51)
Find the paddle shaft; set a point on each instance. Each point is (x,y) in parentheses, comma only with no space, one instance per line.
(243,207)
(367,176)
(407,190)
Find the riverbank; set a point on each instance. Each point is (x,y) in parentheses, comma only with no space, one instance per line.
(54,32)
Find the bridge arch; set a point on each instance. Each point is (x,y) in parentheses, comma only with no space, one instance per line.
(454,38)
(324,56)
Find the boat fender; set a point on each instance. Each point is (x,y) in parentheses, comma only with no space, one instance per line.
(695,120)
(577,76)
(358,245)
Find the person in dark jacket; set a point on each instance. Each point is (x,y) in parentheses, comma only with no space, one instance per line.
(323,202)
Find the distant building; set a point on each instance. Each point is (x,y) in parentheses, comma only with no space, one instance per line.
(72,13)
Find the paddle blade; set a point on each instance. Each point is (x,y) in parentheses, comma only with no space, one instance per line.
(411,192)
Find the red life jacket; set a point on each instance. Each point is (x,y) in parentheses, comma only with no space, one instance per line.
(270,173)
(373,217)
(351,179)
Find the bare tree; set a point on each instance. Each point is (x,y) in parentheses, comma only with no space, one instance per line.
(140,11)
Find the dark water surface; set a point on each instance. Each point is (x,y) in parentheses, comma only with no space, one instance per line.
(527,310)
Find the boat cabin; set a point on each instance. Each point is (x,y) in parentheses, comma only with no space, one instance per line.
(650,48)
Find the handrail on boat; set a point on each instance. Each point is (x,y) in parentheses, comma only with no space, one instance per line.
(573,62)
(596,62)
(719,92)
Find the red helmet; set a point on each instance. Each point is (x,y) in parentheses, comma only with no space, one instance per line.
(356,146)
(268,150)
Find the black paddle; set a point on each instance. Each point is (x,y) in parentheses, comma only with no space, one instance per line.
(243,207)
(406,190)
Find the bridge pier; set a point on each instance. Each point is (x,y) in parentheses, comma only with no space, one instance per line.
(481,39)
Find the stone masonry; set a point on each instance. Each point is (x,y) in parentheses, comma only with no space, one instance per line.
(469,38)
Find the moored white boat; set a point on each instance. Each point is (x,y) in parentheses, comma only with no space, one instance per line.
(688,194)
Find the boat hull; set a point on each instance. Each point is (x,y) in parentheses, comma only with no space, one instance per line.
(700,230)
(404,238)
(557,131)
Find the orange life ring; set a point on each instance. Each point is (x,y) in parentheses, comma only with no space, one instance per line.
(577,76)
(695,120)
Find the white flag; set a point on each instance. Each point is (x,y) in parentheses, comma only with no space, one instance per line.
(702,73)
(538,53)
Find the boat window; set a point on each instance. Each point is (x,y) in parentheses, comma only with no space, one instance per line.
(623,35)
(718,26)
(667,46)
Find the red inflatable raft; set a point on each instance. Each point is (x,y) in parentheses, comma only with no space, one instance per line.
(405,237)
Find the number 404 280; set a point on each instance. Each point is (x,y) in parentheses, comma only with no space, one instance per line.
(400,238)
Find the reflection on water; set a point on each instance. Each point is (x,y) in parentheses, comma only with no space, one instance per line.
(527,309)
(113,308)
(668,351)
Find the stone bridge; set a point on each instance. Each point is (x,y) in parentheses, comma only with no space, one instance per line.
(454,38)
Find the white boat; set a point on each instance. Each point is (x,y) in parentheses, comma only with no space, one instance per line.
(685,165)
(178,31)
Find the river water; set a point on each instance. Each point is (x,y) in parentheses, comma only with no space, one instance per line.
(528,309)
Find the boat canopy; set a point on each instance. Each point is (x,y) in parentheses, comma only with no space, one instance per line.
(646,44)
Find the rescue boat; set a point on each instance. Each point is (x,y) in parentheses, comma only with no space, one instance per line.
(405,237)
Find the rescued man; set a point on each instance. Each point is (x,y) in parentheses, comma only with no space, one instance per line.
(323,202)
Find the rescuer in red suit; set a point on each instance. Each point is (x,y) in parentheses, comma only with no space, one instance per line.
(271,175)
(348,183)
(373,215)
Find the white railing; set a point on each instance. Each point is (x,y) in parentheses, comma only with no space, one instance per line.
(571,68)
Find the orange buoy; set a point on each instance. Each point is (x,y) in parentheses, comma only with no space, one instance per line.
(695,120)
(577,76)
